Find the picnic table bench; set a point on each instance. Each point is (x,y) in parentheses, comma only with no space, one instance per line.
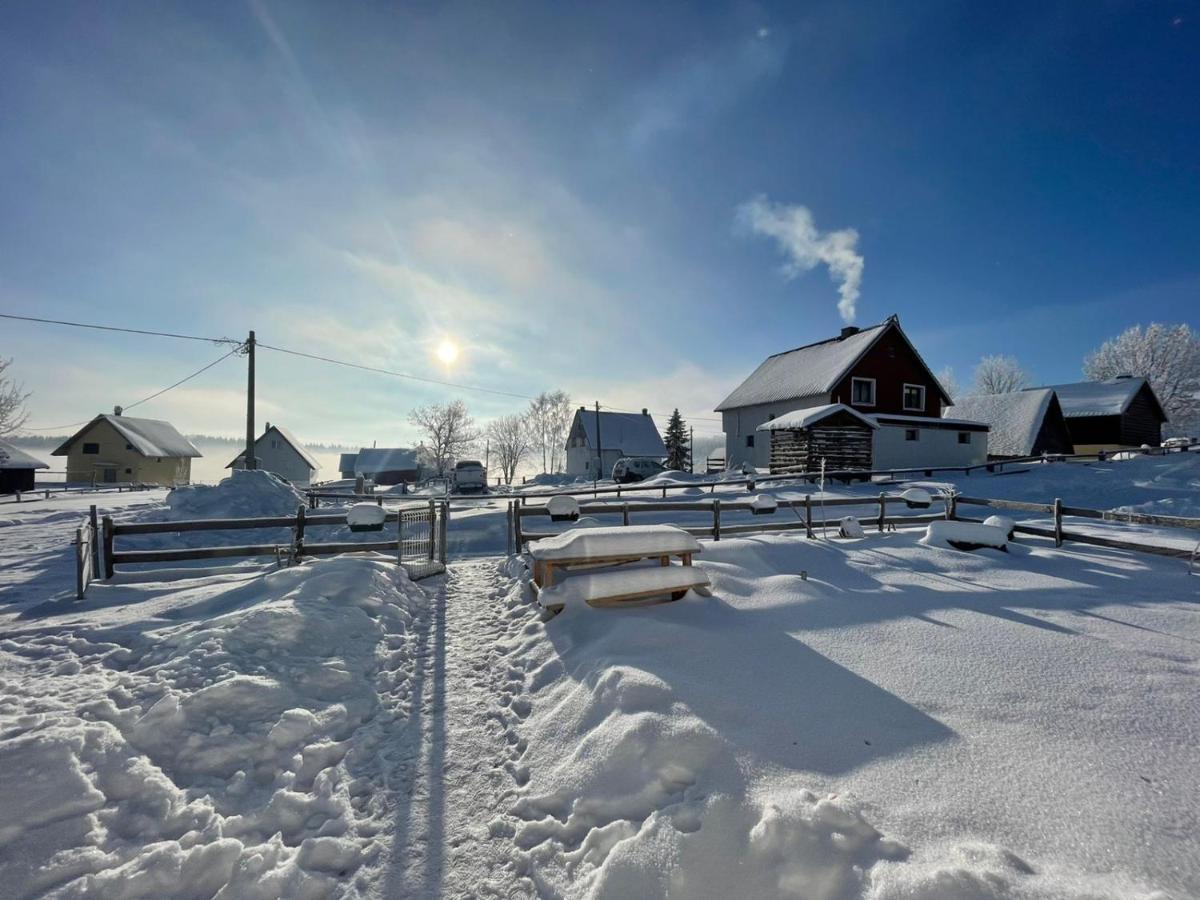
(607,547)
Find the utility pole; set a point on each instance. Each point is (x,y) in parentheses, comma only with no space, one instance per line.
(251,463)
(599,447)
(692,449)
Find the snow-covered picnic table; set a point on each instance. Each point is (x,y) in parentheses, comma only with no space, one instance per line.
(590,547)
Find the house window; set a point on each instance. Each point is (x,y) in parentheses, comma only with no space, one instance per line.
(129,471)
(862,391)
(91,449)
(129,446)
(914,397)
(912,434)
(964,437)
(749,440)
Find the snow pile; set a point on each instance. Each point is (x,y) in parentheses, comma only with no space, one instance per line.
(243,494)
(850,527)
(606,542)
(1004,523)
(366,517)
(964,536)
(234,751)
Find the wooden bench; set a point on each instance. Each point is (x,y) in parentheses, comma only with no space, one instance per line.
(617,588)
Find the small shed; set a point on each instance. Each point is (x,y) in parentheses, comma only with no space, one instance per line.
(1022,423)
(17,469)
(1108,415)
(388,465)
(835,433)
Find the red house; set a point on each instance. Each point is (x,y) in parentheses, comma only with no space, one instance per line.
(875,371)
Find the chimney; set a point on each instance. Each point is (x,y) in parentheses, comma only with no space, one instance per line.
(644,411)
(117,410)
(268,428)
(849,331)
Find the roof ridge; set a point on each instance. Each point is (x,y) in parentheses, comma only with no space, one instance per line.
(831,340)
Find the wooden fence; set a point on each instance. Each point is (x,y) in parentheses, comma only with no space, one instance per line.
(430,544)
(87,553)
(44,493)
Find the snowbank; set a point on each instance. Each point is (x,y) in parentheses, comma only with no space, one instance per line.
(954,535)
(234,751)
(243,494)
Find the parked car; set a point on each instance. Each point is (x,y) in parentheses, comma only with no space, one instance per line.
(1178,442)
(635,468)
(470,476)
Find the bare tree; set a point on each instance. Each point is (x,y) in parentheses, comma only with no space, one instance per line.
(12,401)
(1167,355)
(547,422)
(449,431)
(1000,375)
(949,383)
(510,443)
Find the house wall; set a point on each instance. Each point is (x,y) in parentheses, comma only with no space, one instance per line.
(740,423)
(13,480)
(934,447)
(130,465)
(582,461)
(1054,436)
(892,363)
(276,455)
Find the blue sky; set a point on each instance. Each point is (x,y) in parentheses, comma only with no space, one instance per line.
(556,187)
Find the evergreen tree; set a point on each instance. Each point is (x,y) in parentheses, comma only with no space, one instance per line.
(679,455)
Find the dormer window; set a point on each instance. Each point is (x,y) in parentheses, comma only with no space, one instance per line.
(862,391)
(914,397)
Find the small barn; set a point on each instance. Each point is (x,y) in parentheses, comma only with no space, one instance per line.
(17,469)
(799,440)
(278,451)
(346,464)
(598,439)
(1110,415)
(119,448)
(388,465)
(1022,423)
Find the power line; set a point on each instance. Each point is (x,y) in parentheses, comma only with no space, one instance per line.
(151,397)
(185,337)
(342,362)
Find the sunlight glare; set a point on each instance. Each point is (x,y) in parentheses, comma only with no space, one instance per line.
(447,351)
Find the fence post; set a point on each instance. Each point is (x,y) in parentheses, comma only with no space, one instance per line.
(108,547)
(299,532)
(1058,537)
(624,513)
(882,510)
(95,539)
(952,506)
(716,520)
(443,527)
(520,540)
(508,529)
(432,529)
(808,532)
(81,554)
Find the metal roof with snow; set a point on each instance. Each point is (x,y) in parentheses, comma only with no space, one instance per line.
(634,434)
(292,442)
(373,460)
(1015,419)
(802,418)
(1101,398)
(12,458)
(149,437)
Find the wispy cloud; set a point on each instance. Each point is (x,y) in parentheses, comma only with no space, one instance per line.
(806,247)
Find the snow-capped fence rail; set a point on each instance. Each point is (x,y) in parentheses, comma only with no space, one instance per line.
(419,542)
(518,536)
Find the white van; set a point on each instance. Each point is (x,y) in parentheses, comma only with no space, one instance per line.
(470,477)
(635,468)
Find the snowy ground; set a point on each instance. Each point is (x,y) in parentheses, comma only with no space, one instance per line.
(869,718)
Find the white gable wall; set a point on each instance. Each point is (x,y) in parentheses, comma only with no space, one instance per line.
(276,455)
(740,423)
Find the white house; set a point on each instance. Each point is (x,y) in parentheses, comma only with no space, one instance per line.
(279,452)
(598,439)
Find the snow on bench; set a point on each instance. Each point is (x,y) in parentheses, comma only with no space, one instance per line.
(614,542)
(964,536)
(614,588)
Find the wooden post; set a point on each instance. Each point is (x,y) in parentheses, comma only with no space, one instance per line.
(882,510)
(624,513)
(299,532)
(952,506)
(1058,535)
(808,530)
(517,530)
(251,462)
(508,529)
(108,547)
(81,554)
(664,492)
(443,527)
(432,527)
(716,520)
(95,538)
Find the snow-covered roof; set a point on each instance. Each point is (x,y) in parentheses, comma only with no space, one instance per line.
(1100,398)
(373,460)
(149,437)
(634,434)
(1015,418)
(803,372)
(292,441)
(802,418)
(12,458)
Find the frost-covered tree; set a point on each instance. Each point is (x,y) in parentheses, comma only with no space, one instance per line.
(510,443)
(1000,375)
(1167,355)
(679,455)
(949,383)
(12,401)
(449,431)
(547,422)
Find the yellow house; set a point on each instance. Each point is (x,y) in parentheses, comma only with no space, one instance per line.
(117,449)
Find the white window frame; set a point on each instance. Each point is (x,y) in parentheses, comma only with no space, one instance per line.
(874,395)
(904,391)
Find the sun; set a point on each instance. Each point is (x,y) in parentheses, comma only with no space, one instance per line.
(447,351)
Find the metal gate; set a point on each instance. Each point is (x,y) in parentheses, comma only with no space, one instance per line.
(423,540)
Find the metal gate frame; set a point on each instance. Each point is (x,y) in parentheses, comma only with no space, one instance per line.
(421,548)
